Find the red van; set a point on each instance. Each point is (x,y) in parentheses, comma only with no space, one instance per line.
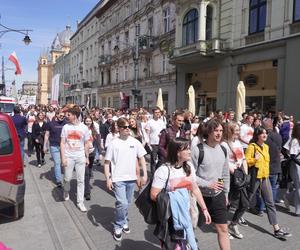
(12,183)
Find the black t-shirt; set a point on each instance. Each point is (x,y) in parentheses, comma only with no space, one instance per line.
(54,127)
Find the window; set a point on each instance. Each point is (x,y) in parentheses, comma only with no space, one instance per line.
(102,78)
(190,27)
(6,145)
(137,29)
(118,41)
(125,73)
(102,50)
(257,16)
(150,26)
(209,20)
(164,63)
(117,75)
(126,38)
(166,17)
(109,47)
(296,10)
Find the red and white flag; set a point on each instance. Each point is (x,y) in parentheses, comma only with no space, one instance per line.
(14,59)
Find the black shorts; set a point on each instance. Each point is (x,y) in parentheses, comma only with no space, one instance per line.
(217,208)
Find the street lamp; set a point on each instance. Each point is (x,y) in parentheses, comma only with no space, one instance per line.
(5,29)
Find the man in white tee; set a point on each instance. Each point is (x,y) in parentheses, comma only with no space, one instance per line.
(153,128)
(74,148)
(122,171)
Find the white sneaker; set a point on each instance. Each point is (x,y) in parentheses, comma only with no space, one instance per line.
(234,231)
(81,207)
(126,229)
(66,196)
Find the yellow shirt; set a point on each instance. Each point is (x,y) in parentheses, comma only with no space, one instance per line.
(263,163)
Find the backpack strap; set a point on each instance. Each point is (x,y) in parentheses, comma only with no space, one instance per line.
(201,153)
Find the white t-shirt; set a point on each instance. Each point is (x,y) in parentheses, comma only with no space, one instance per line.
(75,136)
(293,147)
(155,127)
(237,156)
(246,134)
(123,155)
(109,138)
(177,179)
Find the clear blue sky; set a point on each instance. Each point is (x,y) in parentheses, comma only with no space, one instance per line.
(45,18)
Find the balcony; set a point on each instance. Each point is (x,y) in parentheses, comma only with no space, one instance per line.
(104,60)
(80,67)
(211,47)
(146,44)
(86,85)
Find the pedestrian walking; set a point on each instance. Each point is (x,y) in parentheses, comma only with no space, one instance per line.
(178,174)
(258,158)
(212,176)
(74,148)
(20,123)
(121,173)
(38,136)
(53,137)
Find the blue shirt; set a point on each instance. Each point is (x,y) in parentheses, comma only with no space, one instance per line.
(20,123)
(54,127)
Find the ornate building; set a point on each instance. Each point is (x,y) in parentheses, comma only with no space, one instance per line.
(124,46)
(218,43)
(60,46)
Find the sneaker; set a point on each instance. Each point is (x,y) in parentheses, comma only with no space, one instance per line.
(87,197)
(282,233)
(126,229)
(243,222)
(59,184)
(118,234)
(230,236)
(260,213)
(39,165)
(234,231)
(66,196)
(43,162)
(81,207)
(286,203)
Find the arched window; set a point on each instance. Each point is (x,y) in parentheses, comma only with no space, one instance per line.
(209,22)
(190,27)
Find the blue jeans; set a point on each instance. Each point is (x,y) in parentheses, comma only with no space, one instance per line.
(260,205)
(22,144)
(124,193)
(55,153)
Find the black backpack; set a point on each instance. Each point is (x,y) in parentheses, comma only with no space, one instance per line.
(201,153)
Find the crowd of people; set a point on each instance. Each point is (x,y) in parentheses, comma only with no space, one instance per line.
(219,162)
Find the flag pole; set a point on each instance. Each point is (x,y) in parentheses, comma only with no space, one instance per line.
(3,89)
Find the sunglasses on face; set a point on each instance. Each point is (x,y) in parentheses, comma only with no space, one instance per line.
(124,127)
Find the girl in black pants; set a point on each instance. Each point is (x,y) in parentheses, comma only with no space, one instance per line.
(38,133)
(94,142)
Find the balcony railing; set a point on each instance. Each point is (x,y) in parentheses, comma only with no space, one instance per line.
(210,47)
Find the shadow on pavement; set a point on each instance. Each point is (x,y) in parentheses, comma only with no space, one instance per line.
(103,216)
(135,245)
(258,228)
(149,236)
(102,184)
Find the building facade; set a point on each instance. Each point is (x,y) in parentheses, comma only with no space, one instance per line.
(219,43)
(124,46)
(47,60)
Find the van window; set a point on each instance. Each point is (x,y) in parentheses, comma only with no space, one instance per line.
(6,145)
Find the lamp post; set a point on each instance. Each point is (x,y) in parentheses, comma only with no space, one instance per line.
(135,49)
(3,30)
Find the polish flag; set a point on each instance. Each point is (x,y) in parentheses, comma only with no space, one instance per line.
(14,59)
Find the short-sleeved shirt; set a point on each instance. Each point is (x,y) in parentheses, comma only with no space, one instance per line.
(293,147)
(55,127)
(177,178)
(235,153)
(75,136)
(246,134)
(123,155)
(155,127)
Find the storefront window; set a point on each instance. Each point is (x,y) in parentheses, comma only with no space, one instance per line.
(261,103)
